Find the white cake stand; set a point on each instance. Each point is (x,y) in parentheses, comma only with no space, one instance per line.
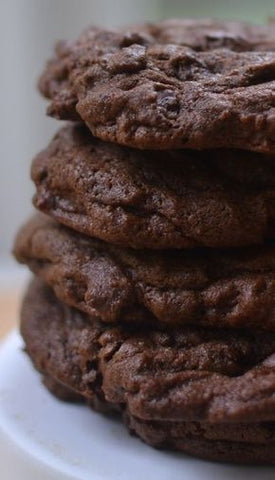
(44,439)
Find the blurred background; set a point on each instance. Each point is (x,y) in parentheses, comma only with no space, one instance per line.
(28,31)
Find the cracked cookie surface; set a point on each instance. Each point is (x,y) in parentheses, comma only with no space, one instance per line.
(178,199)
(188,374)
(219,288)
(239,443)
(180,84)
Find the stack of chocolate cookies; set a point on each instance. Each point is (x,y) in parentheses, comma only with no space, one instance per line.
(154,293)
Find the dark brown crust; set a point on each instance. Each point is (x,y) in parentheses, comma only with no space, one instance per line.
(252,443)
(156,199)
(219,288)
(60,391)
(189,374)
(240,443)
(163,86)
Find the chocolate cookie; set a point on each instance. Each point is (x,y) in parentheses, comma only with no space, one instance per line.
(169,85)
(239,443)
(60,391)
(221,288)
(188,374)
(181,199)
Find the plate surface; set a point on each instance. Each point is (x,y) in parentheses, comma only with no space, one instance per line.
(43,438)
